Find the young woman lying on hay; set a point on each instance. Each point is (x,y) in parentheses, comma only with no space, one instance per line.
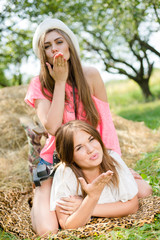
(63,91)
(90,180)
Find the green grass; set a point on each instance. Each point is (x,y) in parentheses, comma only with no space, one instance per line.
(146,232)
(147,112)
(149,168)
(126,100)
(6,236)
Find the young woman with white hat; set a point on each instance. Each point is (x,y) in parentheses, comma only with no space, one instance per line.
(65,90)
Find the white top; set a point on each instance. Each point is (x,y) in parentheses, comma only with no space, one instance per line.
(65,184)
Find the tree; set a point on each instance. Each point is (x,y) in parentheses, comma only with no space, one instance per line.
(15,45)
(117,32)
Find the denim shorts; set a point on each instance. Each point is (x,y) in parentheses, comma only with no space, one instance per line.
(42,161)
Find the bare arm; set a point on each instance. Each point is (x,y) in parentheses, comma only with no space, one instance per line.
(78,218)
(51,113)
(70,205)
(81,216)
(117,209)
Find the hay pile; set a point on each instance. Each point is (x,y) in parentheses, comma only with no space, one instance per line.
(134,138)
(15,185)
(13,141)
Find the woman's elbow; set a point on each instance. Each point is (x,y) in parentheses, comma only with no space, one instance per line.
(135,209)
(70,225)
(135,205)
(49,129)
(62,225)
(66,226)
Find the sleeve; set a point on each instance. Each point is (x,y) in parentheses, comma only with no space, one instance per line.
(64,185)
(127,184)
(34,92)
(106,127)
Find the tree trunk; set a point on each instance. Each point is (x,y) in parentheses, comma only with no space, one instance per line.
(144,85)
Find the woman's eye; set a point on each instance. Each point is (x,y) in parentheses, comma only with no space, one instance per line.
(78,148)
(91,139)
(45,47)
(59,42)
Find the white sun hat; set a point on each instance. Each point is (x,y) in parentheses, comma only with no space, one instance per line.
(51,23)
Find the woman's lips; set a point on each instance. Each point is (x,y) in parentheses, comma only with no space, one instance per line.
(57,53)
(94,156)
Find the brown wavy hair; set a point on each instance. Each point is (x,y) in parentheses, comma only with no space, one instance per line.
(76,77)
(65,149)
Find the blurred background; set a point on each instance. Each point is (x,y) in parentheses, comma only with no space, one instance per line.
(120,37)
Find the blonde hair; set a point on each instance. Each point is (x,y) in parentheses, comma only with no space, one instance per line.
(76,77)
(65,149)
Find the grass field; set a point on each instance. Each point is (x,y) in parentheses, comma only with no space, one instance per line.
(126,100)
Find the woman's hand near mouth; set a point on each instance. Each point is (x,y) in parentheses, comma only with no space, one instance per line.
(59,72)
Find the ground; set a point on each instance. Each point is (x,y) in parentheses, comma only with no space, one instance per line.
(135,138)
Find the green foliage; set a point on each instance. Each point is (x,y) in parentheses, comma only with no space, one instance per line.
(149,168)
(110,31)
(6,236)
(3,80)
(148,231)
(15,43)
(147,112)
(126,100)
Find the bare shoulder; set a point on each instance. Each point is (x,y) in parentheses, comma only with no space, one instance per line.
(90,72)
(95,82)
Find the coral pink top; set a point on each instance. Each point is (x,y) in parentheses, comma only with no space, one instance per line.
(105,127)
